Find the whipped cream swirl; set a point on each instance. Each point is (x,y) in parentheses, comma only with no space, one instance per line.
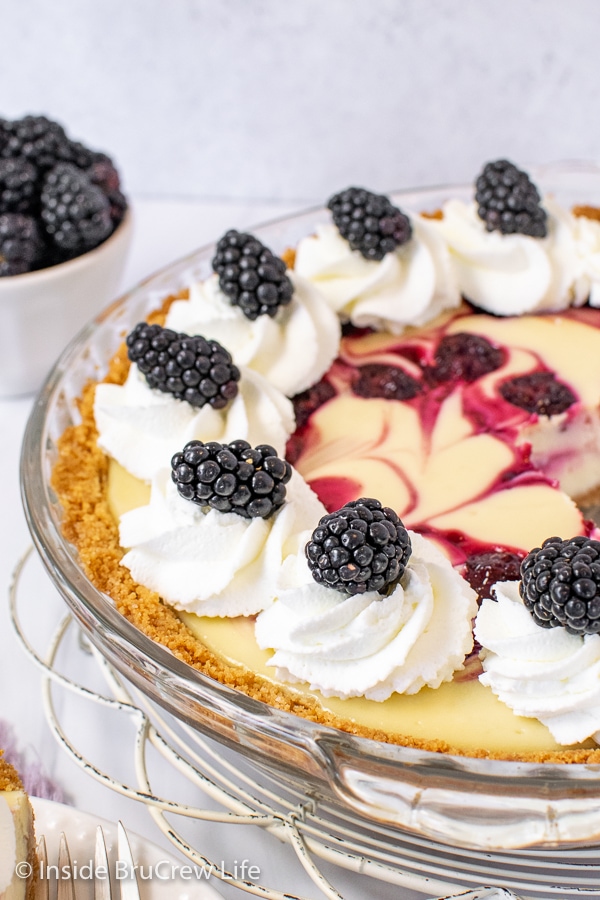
(587,244)
(511,274)
(368,644)
(213,563)
(410,286)
(292,350)
(542,673)
(142,427)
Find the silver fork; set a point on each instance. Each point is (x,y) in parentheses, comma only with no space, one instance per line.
(128,887)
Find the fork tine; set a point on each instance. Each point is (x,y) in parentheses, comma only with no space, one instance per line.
(66,884)
(102,889)
(42,887)
(130,889)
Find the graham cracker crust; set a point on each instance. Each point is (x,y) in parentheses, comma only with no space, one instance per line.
(9,777)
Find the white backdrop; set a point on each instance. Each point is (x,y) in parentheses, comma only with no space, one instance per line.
(274,100)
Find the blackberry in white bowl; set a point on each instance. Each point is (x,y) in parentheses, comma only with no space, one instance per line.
(65,229)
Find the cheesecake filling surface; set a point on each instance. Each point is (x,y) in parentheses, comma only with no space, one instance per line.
(457,457)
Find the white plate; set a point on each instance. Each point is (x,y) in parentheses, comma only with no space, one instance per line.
(51,819)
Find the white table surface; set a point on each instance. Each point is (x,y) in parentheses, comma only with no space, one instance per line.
(163,232)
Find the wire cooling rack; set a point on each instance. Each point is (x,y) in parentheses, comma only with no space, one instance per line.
(238,792)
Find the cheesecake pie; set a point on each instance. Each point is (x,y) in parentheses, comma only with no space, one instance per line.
(305,475)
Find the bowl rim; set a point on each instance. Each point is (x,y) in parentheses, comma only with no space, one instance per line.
(52,273)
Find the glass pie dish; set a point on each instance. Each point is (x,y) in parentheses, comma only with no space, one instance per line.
(455,800)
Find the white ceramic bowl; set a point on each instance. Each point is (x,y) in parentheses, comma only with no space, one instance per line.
(42,311)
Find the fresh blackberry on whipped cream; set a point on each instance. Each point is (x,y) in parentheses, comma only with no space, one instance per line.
(560,584)
(189,367)
(508,201)
(361,547)
(251,276)
(234,477)
(369,222)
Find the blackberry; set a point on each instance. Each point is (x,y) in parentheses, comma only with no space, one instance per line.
(387,382)
(75,212)
(118,206)
(20,244)
(508,201)
(369,222)
(310,400)
(188,367)
(82,202)
(232,477)
(251,275)
(102,172)
(483,570)
(77,153)
(538,392)
(362,547)
(4,134)
(464,356)
(18,185)
(560,584)
(36,139)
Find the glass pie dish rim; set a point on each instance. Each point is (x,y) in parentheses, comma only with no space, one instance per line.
(351,767)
